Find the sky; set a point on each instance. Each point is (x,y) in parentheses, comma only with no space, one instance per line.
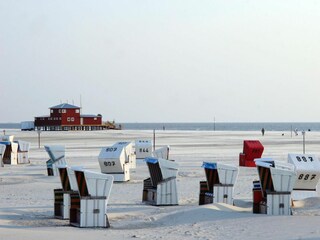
(161,61)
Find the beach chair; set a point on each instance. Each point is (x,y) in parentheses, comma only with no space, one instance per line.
(307,167)
(162,152)
(161,187)
(23,152)
(57,157)
(89,206)
(113,160)
(10,155)
(218,188)
(129,155)
(276,183)
(252,149)
(2,151)
(62,195)
(143,148)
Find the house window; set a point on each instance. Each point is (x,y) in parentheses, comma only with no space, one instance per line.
(51,111)
(59,110)
(59,118)
(95,119)
(64,111)
(68,119)
(72,119)
(77,110)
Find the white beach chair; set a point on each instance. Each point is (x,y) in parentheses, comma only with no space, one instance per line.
(89,206)
(2,151)
(130,156)
(10,155)
(307,167)
(143,148)
(161,187)
(113,160)
(162,152)
(62,195)
(23,152)
(276,182)
(218,188)
(57,157)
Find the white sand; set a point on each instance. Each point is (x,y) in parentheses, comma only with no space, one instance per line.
(26,192)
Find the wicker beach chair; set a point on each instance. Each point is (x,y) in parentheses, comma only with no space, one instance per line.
(219,184)
(57,157)
(89,206)
(117,160)
(62,195)
(161,187)
(307,167)
(276,184)
(2,151)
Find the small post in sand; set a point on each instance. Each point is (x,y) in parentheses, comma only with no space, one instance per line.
(154,139)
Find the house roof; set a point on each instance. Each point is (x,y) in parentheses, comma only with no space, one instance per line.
(65,106)
(89,115)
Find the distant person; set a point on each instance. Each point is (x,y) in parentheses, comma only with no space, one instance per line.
(262,131)
(296,131)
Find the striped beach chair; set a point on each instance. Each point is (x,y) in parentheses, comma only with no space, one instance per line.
(161,187)
(276,184)
(219,184)
(57,157)
(89,206)
(62,195)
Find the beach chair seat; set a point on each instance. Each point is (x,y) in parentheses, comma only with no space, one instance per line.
(252,149)
(161,187)
(276,184)
(57,157)
(62,196)
(218,187)
(205,196)
(88,207)
(307,167)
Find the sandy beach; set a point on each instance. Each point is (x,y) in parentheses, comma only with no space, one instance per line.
(26,199)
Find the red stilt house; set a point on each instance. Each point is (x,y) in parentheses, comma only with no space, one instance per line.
(64,117)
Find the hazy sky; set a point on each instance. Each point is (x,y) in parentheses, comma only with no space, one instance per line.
(161,60)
